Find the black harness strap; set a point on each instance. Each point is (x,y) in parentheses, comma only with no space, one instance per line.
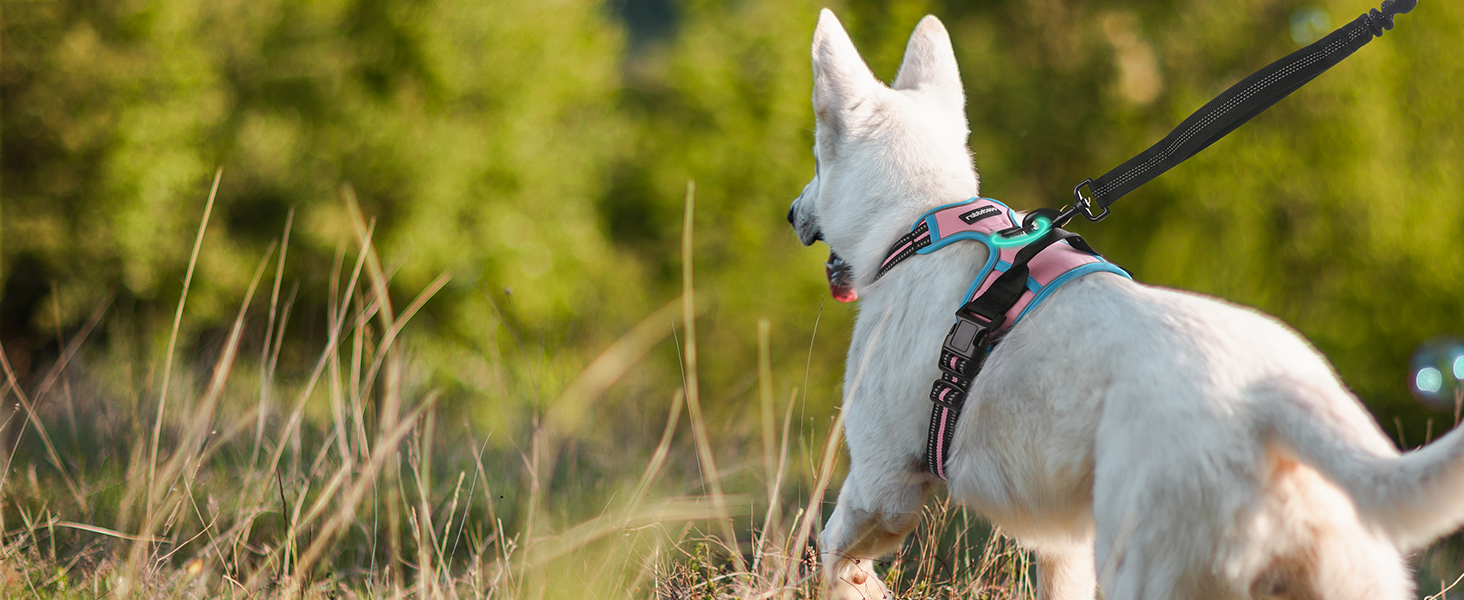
(907,246)
(1233,108)
(972,337)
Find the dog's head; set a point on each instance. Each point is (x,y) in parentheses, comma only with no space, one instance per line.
(882,155)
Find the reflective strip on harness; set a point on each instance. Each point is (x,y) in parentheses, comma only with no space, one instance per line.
(973,335)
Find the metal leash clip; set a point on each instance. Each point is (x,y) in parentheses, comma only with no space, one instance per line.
(1081,204)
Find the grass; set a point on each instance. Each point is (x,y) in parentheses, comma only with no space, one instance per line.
(223,478)
(228,479)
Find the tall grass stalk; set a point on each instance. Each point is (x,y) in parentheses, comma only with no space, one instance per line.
(152,458)
(693,392)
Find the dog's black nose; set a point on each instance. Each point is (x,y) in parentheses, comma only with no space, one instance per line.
(790,215)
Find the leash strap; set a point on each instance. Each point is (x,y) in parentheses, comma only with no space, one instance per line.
(1233,108)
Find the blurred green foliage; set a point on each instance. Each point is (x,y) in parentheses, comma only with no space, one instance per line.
(539,152)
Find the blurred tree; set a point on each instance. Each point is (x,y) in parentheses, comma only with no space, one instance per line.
(539,156)
(475,134)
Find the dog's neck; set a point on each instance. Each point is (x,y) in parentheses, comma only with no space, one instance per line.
(903,200)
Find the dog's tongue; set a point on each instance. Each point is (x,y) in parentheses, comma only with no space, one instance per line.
(839,285)
(843,293)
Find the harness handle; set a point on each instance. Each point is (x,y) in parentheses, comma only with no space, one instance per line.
(1231,109)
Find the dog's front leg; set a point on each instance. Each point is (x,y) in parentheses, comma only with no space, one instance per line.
(874,514)
(1066,575)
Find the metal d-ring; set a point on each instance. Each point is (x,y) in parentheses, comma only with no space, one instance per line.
(1084,204)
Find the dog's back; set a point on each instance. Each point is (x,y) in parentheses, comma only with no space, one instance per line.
(1173,402)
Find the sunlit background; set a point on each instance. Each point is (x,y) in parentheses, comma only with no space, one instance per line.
(539,153)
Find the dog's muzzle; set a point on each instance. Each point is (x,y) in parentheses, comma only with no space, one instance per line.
(840,274)
(807,229)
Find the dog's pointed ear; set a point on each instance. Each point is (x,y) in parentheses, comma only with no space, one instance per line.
(840,77)
(930,63)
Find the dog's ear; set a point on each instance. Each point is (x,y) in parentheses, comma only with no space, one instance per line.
(840,77)
(930,64)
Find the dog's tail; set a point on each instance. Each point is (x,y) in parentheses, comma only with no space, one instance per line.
(1414,498)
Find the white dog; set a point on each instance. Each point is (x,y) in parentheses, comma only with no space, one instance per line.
(1157,443)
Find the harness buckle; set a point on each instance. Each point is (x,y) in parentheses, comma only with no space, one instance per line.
(1084,204)
(965,344)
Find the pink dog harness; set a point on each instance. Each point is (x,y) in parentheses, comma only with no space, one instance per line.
(1026,263)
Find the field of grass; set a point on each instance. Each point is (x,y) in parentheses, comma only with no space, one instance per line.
(212,475)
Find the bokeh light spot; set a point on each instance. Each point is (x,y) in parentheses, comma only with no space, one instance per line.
(1309,24)
(1437,371)
(1429,380)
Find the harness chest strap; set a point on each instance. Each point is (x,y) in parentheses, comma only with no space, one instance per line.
(1018,275)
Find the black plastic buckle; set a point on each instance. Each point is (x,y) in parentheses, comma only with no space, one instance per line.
(965,344)
(967,337)
(1084,204)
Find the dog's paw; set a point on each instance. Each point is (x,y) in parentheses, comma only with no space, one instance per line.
(857,581)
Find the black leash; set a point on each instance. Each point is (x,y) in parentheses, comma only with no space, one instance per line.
(981,319)
(1231,109)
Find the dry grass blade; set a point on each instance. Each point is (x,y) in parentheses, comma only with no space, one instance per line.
(831,450)
(385,449)
(421,456)
(662,450)
(569,410)
(108,532)
(765,396)
(199,426)
(373,263)
(332,342)
(653,469)
(173,338)
(770,520)
(693,395)
(73,347)
(50,380)
(265,362)
(400,321)
(668,510)
(40,427)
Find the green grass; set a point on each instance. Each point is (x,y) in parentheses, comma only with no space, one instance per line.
(336,475)
(233,474)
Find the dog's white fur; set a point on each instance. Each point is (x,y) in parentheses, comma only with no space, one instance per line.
(1159,443)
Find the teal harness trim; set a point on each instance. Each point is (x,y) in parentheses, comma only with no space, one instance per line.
(1025,264)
